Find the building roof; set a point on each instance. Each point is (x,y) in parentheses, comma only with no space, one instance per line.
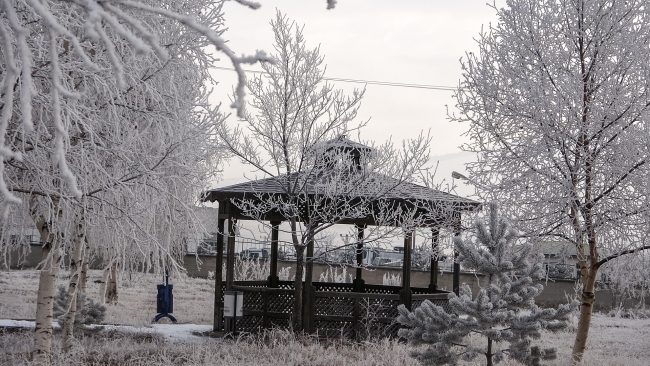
(557,248)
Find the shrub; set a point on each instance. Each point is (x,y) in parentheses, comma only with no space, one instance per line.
(91,313)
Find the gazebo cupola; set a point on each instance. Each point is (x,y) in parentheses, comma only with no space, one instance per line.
(343,148)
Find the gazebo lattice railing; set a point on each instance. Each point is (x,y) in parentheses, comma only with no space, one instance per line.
(338,311)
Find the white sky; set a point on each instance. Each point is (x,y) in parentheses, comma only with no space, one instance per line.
(414,42)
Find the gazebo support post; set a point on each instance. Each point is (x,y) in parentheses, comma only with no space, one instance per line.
(230,256)
(456,274)
(405,293)
(273,276)
(230,261)
(217,323)
(456,278)
(309,294)
(358,285)
(433,277)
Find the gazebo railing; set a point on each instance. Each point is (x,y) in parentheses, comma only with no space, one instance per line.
(337,311)
(265,308)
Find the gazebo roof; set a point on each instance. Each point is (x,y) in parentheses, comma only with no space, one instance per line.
(355,183)
(272,186)
(404,193)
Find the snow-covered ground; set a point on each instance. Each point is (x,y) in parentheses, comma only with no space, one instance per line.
(130,338)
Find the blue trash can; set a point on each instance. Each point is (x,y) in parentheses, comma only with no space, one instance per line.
(165,300)
(165,303)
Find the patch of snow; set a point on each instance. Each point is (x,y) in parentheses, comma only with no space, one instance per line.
(182,332)
(171,332)
(10,323)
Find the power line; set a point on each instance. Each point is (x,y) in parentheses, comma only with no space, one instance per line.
(372,82)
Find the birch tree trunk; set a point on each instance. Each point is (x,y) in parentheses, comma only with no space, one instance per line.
(83,275)
(42,349)
(588,297)
(587,301)
(73,291)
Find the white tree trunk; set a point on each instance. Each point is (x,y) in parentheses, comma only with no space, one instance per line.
(73,291)
(83,276)
(587,301)
(42,349)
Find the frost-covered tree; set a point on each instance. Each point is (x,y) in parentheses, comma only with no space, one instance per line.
(293,132)
(75,32)
(557,102)
(104,124)
(628,280)
(503,311)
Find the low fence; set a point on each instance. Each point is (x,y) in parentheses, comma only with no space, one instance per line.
(554,293)
(337,311)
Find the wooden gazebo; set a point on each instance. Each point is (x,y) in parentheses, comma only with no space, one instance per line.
(330,309)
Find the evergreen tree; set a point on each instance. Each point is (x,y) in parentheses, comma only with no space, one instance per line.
(503,311)
(91,313)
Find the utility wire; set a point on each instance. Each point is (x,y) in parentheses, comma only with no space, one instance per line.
(372,82)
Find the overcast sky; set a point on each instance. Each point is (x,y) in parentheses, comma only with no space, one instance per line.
(411,42)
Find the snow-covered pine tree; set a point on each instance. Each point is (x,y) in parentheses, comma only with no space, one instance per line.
(503,311)
(91,313)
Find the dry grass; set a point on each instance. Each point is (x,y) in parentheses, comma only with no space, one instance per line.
(278,348)
(18,289)
(613,341)
(193,297)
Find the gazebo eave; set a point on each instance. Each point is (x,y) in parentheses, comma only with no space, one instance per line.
(423,206)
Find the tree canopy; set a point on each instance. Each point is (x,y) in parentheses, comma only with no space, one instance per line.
(557,102)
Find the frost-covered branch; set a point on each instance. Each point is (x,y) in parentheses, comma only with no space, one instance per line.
(91,35)
(620,254)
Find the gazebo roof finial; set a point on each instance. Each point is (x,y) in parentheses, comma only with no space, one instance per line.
(343,143)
